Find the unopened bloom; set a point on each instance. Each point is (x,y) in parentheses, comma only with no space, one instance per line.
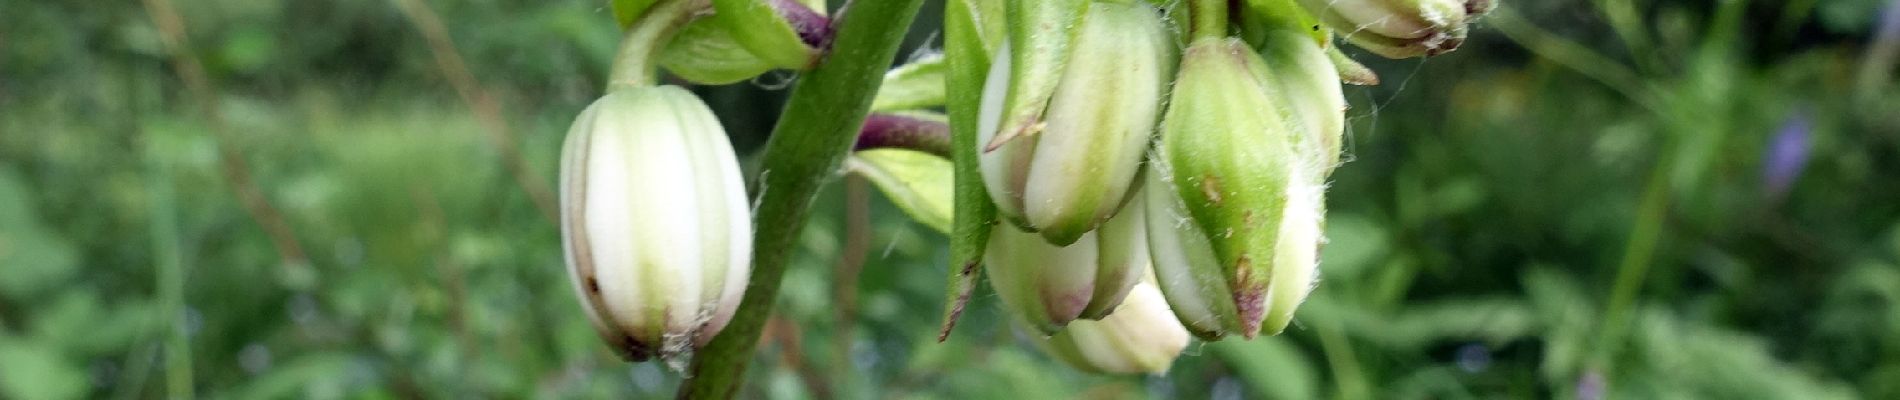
(1234,202)
(1141,337)
(1301,78)
(1048,286)
(654,221)
(1400,28)
(1069,170)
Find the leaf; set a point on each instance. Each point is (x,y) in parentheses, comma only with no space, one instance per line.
(79,324)
(34,370)
(628,11)
(1272,368)
(1354,243)
(1040,36)
(298,377)
(705,53)
(35,259)
(758,27)
(919,183)
(967,24)
(918,84)
(1712,362)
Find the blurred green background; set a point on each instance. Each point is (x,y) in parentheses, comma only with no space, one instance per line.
(1611,198)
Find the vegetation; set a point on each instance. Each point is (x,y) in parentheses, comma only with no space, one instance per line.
(1631,199)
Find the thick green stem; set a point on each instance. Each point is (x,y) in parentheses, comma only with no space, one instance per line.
(1208,18)
(807,147)
(637,62)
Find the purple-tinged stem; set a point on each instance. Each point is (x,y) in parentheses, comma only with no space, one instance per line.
(813,28)
(904,132)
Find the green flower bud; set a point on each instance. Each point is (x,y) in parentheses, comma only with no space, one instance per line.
(1075,170)
(1141,337)
(654,221)
(1235,196)
(1397,28)
(1048,286)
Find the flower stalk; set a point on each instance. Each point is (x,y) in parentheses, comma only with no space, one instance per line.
(807,147)
(637,62)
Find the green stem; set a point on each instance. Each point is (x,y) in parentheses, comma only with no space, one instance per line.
(1208,18)
(1576,57)
(1634,268)
(637,62)
(805,151)
(170,276)
(1351,382)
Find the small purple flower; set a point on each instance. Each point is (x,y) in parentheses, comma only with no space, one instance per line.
(1787,155)
(1592,385)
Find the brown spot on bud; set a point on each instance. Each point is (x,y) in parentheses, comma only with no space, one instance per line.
(1250,295)
(1210,187)
(593,285)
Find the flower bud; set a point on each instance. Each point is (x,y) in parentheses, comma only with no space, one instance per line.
(1399,28)
(1234,201)
(1141,337)
(1304,83)
(654,221)
(1048,286)
(1072,170)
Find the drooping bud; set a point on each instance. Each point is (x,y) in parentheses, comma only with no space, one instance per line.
(654,221)
(1048,286)
(1235,196)
(1073,170)
(1141,337)
(1399,28)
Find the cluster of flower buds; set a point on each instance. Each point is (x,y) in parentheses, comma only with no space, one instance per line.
(1400,28)
(1064,136)
(1068,117)
(1106,148)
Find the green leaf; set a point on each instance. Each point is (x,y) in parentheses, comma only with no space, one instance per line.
(79,324)
(298,377)
(971,29)
(35,260)
(1272,368)
(1041,34)
(919,183)
(705,53)
(35,370)
(1354,244)
(628,11)
(918,84)
(759,28)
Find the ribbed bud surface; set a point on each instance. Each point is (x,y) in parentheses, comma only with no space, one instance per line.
(654,221)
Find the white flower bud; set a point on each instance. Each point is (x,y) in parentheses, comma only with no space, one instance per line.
(1141,337)
(1071,169)
(654,221)
(1048,286)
